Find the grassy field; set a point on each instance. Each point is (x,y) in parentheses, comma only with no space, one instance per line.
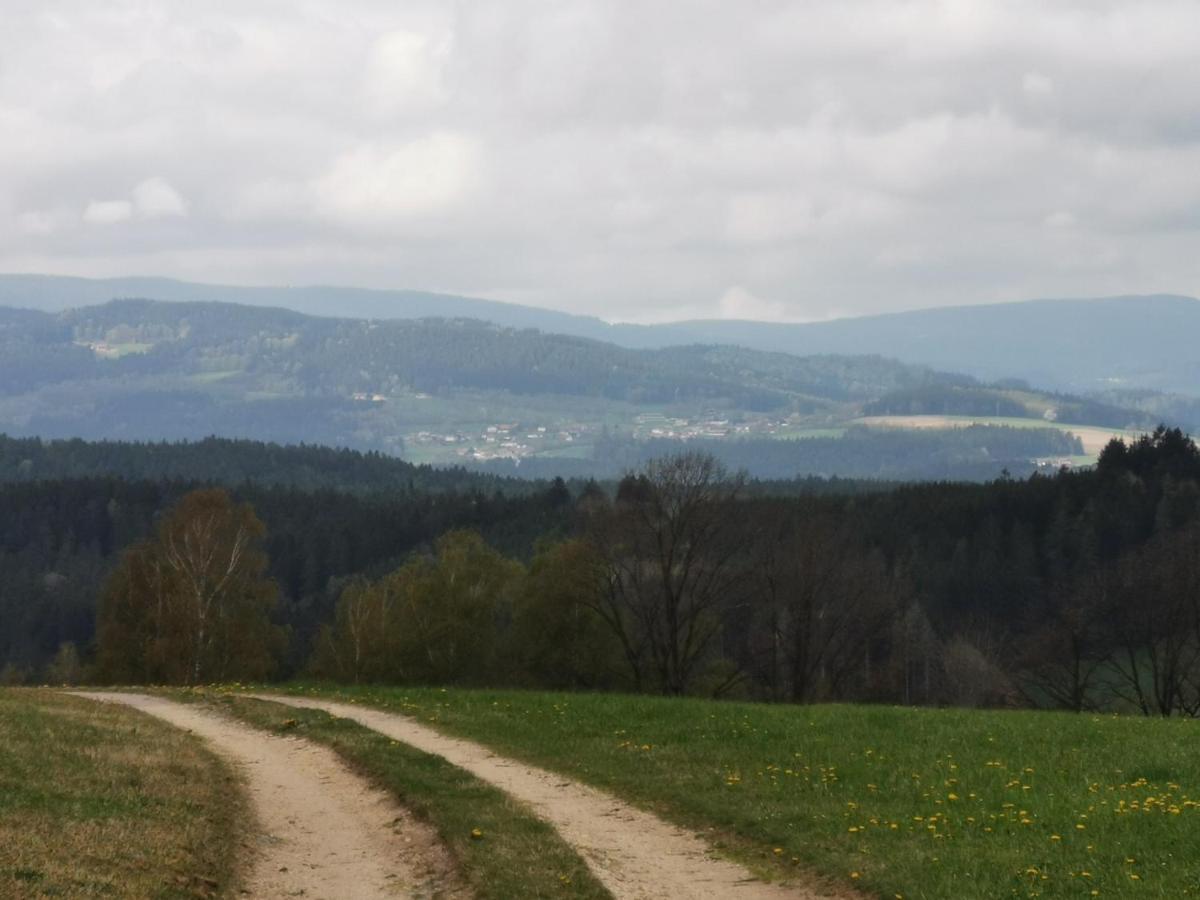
(100,801)
(502,850)
(950,804)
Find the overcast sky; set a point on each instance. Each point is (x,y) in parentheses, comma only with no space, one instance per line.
(634,160)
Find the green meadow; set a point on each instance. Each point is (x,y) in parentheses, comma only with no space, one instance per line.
(901,803)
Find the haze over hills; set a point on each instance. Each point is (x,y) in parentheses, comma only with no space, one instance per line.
(1104,344)
(56,293)
(464,391)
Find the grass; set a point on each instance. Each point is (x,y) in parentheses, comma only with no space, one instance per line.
(952,804)
(515,854)
(129,807)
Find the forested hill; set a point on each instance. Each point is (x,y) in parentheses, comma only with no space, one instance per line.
(288,352)
(1129,342)
(465,392)
(1132,342)
(233,463)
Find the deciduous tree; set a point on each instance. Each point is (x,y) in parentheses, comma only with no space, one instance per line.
(193,604)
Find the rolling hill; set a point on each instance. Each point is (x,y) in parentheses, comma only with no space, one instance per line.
(1128,343)
(465,391)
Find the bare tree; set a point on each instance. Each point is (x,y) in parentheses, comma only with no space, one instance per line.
(672,552)
(1067,657)
(1156,619)
(825,601)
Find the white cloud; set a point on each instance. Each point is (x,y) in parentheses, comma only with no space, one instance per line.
(612,156)
(739,303)
(376,184)
(405,72)
(155,198)
(765,217)
(108,212)
(1036,84)
(38,223)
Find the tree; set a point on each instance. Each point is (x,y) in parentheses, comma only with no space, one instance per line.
(193,604)
(824,602)
(435,620)
(557,638)
(1155,617)
(1065,660)
(360,644)
(671,551)
(66,667)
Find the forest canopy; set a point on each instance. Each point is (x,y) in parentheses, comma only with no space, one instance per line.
(1075,590)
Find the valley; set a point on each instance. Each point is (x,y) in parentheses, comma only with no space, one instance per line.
(465,392)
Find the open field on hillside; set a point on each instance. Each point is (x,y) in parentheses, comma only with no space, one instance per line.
(1094,437)
(100,801)
(903,803)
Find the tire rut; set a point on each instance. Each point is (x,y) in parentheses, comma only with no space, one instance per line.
(634,854)
(324,833)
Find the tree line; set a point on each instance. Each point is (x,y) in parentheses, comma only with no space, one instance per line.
(1078,590)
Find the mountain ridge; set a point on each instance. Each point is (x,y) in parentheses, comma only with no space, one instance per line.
(1128,342)
(468,391)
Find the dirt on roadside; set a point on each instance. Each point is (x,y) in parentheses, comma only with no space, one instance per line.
(324,833)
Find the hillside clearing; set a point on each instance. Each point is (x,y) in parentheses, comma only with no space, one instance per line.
(98,800)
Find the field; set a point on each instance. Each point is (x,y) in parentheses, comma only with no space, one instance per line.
(129,807)
(895,803)
(949,804)
(1094,437)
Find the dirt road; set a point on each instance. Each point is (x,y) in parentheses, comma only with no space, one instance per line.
(636,855)
(325,834)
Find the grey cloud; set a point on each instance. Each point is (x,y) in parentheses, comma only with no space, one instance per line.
(632,160)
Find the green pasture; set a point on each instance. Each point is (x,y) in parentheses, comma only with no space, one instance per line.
(913,803)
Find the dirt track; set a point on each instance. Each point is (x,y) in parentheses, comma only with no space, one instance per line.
(324,833)
(634,854)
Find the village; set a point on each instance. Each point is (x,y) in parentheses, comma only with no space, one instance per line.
(516,440)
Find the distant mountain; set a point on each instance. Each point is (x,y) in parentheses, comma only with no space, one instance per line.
(465,391)
(1114,343)
(54,293)
(1148,342)
(224,349)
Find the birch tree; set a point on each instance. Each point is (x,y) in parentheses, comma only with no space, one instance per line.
(193,604)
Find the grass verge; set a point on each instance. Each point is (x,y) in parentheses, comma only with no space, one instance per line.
(502,849)
(97,800)
(952,804)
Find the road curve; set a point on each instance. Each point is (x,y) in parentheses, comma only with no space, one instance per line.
(325,834)
(636,855)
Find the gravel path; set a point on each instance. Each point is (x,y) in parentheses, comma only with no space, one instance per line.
(324,833)
(636,855)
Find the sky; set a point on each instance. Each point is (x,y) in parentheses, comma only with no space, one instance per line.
(639,161)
